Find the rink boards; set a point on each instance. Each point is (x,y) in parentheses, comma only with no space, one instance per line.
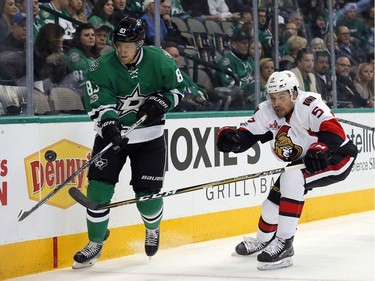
(49,237)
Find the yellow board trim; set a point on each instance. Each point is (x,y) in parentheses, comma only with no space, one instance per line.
(37,256)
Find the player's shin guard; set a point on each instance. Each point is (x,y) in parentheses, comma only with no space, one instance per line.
(152,213)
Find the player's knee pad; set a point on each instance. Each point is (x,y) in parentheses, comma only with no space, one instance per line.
(100,192)
(292,185)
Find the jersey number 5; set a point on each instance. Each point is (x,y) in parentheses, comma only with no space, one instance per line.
(317,111)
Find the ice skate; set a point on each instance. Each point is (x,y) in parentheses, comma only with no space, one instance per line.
(152,241)
(277,255)
(249,246)
(89,254)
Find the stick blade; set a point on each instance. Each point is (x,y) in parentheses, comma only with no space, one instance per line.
(22,215)
(77,195)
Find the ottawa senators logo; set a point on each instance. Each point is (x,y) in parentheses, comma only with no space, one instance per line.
(284,147)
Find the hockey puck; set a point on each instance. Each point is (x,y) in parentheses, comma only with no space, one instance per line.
(50,155)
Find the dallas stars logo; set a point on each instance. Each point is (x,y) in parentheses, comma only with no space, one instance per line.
(130,103)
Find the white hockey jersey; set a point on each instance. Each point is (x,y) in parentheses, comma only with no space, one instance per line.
(292,135)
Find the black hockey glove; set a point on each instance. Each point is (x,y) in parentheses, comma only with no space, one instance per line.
(316,158)
(111,132)
(228,140)
(155,106)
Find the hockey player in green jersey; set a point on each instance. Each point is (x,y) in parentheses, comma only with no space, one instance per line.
(122,86)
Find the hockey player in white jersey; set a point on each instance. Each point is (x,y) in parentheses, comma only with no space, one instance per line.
(300,128)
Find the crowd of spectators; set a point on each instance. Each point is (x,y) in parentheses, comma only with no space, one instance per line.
(69,35)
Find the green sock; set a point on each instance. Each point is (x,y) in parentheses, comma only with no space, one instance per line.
(99,192)
(151,211)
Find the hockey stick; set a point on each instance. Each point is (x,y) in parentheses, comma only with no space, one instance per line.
(356,124)
(24,214)
(84,201)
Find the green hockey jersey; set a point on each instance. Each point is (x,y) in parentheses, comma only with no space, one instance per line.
(78,64)
(243,68)
(116,91)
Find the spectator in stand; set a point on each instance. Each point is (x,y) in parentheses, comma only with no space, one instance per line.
(252,54)
(352,22)
(75,10)
(327,43)
(348,48)
(289,31)
(148,17)
(265,34)
(8,9)
(120,11)
(16,39)
(83,54)
(294,44)
(60,7)
(36,21)
(178,11)
(280,23)
(317,28)
(168,30)
(194,96)
(368,35)
(317,44)
(173,33)
(238,61)
(266,68)
(102,33)
(304,70)
(58,76)
(246,18)
(322,75)
(50,40)
(364,81)
(311,9)
(103,13)
(220,8)
(297,18)
(347,94)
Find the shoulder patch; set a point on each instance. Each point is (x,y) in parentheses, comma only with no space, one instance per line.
(226,61)
(45,14)
(309,100)
(94,66)
(74,57)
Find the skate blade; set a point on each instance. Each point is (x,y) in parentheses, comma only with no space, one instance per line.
(78,265)
(275,265)
(235,254)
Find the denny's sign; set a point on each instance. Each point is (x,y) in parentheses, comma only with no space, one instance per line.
(51,166)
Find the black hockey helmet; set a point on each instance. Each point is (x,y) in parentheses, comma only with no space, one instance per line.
(129,30)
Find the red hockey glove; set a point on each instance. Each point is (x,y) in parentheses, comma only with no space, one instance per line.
(228,140)
(316,158)
(111,132)
(155,106)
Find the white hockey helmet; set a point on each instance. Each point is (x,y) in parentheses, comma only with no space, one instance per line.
(282,81)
